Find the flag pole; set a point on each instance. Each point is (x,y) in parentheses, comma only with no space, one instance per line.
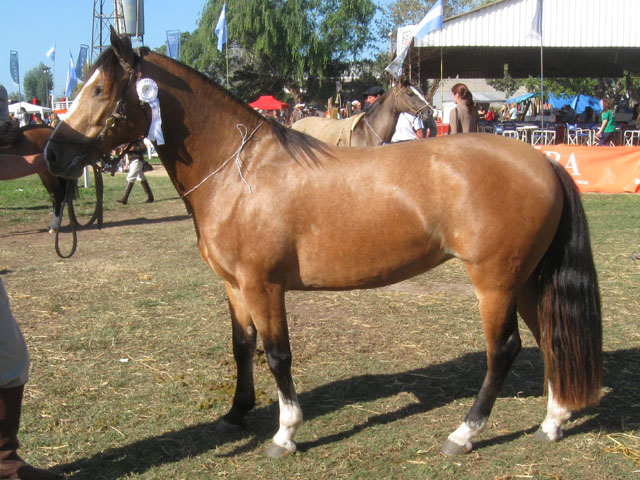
(226,54)
(53,82)
(441,84)
(542,81)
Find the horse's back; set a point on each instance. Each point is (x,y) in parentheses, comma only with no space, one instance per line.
(32,140)
(328,130)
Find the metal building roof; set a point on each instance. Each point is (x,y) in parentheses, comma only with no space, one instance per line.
(579,38)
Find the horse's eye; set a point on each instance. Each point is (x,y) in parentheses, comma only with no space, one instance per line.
(97,91)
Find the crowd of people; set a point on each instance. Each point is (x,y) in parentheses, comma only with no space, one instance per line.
(22,118)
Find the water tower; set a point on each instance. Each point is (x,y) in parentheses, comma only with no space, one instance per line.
(126,16)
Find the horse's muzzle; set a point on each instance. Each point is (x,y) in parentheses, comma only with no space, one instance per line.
(65,160)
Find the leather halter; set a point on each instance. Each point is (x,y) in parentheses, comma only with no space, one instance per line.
(120,110)
(408,108)
(118,114)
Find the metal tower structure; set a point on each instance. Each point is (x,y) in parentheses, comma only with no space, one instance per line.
(103,17)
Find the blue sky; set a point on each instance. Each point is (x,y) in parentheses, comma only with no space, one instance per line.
(32,26)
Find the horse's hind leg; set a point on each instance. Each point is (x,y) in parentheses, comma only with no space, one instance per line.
(244,346)
(499,321)
(551,428)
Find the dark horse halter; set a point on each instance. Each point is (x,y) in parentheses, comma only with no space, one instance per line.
(106,162)
(110,164)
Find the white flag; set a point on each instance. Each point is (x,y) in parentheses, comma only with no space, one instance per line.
(395,67)
(536,24)
(432,21)
(51,53)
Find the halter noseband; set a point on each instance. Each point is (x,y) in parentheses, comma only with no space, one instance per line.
(120,110)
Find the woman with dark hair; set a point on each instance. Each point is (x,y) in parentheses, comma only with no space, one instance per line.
(608,127)
(463,118)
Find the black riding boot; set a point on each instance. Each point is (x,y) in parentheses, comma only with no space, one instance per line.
(125,195)
(147,190)
(11,465)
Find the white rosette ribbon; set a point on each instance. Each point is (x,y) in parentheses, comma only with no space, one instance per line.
(147,91)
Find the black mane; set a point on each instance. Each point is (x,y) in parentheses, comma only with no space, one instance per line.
(295,143)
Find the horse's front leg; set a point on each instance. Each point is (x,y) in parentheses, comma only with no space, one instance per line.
(265,302)
(244,347)
(57,188)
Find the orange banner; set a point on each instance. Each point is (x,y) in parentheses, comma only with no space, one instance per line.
(599,169)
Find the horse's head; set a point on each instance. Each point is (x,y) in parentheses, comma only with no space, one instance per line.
(106,113)
(409,98)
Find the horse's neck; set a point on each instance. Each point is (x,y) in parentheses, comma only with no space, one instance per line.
(382,119)
(203,126)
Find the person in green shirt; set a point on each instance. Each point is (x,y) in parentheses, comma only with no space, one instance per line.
(608,127)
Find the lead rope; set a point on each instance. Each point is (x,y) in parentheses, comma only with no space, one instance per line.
(74,235)
(245,140)
(374,132)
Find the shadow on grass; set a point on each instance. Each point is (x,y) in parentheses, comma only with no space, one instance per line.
(66,228)
(139,221)
(434,386)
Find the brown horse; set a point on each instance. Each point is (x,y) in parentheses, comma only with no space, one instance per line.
(374,127)
(275,210)
(32,141)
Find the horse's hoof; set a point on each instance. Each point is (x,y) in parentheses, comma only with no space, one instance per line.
(275,451)
(543,436)
(451,448)
(52,230)
(224,426)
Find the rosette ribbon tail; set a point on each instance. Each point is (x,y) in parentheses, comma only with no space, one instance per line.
(155,129)
(147,91)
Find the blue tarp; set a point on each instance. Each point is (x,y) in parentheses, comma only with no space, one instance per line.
(577,102)
(524,97)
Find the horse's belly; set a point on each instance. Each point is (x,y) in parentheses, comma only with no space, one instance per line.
(368,258)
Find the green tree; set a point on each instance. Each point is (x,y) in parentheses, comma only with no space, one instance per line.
(507,83)
(38,83)
(15,97)
(278,44)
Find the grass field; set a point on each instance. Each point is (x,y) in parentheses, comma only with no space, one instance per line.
(132,364)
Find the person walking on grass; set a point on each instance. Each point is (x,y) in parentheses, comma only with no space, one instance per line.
(14,357)
(136,172)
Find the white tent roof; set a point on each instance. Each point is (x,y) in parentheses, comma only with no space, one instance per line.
(579,38)
(565,23)
(29,107)
(482,92)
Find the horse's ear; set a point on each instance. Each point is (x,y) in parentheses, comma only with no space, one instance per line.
(122,48)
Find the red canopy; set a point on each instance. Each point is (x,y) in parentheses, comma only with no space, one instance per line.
(268,102)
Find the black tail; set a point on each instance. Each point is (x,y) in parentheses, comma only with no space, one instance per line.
(569,306)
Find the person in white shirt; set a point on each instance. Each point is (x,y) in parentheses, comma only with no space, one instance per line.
(409,127)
